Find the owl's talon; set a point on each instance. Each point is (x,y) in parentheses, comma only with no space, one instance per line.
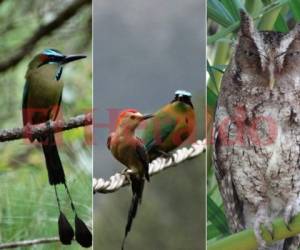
(290,211)
(262,220)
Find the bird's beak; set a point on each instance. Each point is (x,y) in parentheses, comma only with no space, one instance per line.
(271,68)
(145,117)
(271,82)
(72,58)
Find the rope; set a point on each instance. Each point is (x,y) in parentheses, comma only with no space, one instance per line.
(119,180)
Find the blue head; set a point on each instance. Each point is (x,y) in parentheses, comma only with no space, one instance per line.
(183,96)
(53,56)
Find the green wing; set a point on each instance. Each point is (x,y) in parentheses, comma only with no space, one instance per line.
(143,156)
(57,111)
(157,129)
(25,102)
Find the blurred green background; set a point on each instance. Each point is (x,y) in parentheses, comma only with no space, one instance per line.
(28,207)
(143,52)
(222,27)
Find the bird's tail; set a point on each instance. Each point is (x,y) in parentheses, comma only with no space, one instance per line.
(55,169)
(56,176)
(137,185)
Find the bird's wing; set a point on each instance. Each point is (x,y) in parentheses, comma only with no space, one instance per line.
(25,103)
(158,129)
(108,141)
(143,157)
(56,108)
(232,205)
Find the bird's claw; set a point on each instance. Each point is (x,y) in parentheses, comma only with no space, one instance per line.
(126,172)
(290,211)
(166,154)
(28,132)
(263,220)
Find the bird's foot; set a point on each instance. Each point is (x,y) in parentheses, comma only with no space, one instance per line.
(292,208)
(28,132)
(127,172)
(166,154)
(262,219)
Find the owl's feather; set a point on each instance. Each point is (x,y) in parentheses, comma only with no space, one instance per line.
(257,131)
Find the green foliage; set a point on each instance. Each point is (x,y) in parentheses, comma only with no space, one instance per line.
(27,202)
(223,23)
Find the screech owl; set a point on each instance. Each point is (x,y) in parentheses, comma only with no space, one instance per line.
(257,131)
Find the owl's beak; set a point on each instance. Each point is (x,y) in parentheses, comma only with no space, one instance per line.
(271,81)
(271,75)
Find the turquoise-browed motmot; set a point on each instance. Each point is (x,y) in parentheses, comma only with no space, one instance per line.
(170,126)
(130,151)
(41,102)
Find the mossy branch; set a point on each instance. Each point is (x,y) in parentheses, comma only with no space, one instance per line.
(246,240)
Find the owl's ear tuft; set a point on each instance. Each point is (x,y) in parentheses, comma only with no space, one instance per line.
(247,25)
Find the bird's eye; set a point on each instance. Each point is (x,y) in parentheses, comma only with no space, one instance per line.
(249,53)
(132,117)
(294,53)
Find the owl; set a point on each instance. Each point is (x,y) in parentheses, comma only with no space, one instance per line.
(256,147)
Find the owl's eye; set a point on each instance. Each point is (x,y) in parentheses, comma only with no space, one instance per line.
(249,53)
(294,53)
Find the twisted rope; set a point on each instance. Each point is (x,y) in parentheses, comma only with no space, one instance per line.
(119,180)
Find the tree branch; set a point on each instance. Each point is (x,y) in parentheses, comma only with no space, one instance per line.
(34,131)
(119,180)
(42,31)
(26,243)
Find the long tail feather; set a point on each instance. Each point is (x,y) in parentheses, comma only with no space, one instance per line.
(55,169)
(137,185)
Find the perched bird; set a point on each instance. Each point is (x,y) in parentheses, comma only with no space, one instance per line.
(131,152)
(41,102)
(256,131)
(170,126)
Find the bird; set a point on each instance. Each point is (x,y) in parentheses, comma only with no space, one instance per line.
(170,126)
(42,98)
(131,152)
(256,131)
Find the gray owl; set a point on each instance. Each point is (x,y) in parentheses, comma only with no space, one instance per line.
(257,131)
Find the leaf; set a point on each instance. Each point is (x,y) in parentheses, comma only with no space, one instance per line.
(212,76)
(281,25)
(216,216)
(212,232)
(233,7)
(212,98)
(295,9)
(224,32)
(217,12)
